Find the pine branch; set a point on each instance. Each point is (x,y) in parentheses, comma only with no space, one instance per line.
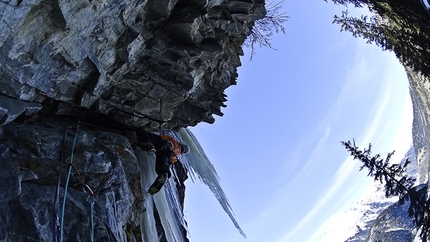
(396,183)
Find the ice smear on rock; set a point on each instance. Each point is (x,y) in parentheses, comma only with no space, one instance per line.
(146,167)
(166,202)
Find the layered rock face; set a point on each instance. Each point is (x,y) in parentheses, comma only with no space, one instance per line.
(33,156)
(115,66)
(419,90)
(155,64)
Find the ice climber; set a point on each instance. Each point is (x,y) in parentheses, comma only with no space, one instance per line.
(166,149)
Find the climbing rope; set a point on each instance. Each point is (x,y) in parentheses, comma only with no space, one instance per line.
(56,223)
(91,199)
(59,222)
(67,183)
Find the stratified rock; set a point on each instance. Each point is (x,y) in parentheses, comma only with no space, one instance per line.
(155,64)
(33,156)
(11,109)
(114,65)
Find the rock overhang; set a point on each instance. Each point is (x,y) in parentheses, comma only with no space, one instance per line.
(160,65)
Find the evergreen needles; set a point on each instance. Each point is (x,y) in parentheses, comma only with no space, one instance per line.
(396,183)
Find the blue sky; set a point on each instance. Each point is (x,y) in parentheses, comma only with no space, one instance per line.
(277,148)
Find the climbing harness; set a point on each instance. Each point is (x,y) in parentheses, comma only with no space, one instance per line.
(59,221)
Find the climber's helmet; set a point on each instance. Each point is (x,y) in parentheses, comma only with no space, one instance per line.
(185,149)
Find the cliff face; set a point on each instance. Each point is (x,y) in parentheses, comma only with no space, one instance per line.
(31,160)
(116,66)
(155,64)
(419,90)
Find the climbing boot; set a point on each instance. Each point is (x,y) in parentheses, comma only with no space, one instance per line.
(158,184)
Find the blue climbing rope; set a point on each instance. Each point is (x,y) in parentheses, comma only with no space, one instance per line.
(63,208)
(59,223)
(91,219)
(56,222)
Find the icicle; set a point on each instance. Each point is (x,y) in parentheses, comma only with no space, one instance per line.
(197,163)
(166,210)
(167,200)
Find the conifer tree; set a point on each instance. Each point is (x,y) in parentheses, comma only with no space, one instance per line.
(396,183)
(399,26)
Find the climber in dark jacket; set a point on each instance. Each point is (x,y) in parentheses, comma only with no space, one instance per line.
(166,149)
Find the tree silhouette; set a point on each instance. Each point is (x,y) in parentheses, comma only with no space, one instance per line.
(396,183)
(399,26)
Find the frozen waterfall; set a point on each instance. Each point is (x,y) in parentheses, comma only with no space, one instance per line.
(167,201)
(198,164)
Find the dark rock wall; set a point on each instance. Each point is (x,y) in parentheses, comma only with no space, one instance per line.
(105,170)
(156,64)
(33,156)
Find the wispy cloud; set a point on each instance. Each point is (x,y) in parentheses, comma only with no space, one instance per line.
(384,127)
(360,76)
(356,77)
(366,75)
(338,182)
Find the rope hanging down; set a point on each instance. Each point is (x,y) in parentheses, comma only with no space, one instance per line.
(59,223)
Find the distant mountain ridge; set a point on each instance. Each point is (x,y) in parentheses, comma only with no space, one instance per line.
(384,219)
(367,211)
